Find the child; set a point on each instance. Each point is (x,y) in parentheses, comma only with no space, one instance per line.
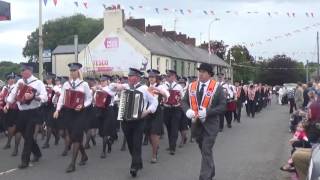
(299,140)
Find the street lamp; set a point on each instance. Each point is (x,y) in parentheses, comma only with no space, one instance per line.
(209,39)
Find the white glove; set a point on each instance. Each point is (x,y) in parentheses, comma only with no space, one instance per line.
(190,114)
(202,115)
(246,102)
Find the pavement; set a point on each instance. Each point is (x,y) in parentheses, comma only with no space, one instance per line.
(251,150)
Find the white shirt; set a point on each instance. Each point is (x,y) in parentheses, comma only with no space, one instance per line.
(148,98)
(174,86)
(9,88)
(230,89)
(38,86)
(162,88)
(57,91)
(83,87)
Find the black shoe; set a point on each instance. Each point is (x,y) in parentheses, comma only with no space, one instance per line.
(229,126)
(168,149)
(103,155)
(172,152)
(145,141)
(7,146)
(133,172)
(36,159)
(109,148)
(71,168)
(46,146)
(64,153)
(23,165)
(56,142)
(87,146)
(83,160)
(123,148)
(220,130)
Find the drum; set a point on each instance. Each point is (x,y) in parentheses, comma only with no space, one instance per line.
(231,106)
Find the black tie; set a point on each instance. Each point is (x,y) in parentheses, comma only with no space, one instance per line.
(200,94)
(73,85)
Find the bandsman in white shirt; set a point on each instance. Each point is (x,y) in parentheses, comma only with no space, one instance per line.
(29,104)
(172,109)
(184,121)
(154,122)
(133,130)
(75,112)
(105,114)
(10,115)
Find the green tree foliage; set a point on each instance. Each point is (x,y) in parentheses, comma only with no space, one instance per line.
(280,69)
(61,31)
(7,67)
(218,48)
(242,63)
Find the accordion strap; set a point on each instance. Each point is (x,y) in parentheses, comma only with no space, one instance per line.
(75,85)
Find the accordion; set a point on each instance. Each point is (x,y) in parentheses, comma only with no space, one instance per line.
(22,90)
(174,98)
(131,105)
(73,98)
(102,99)
(3,96)
(231,106)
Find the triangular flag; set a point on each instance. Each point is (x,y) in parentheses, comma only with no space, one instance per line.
(228,12)
(131,7)
(269,14)
(293,14)
(288,14)
(189,11)
(166,9)
(140,7)
(76,3)
(157,10)
(205,12)
(85,4)
(55,2)
(312,14)
(181,11)
(104,6)
(307,14)
(45,2)
(212,12)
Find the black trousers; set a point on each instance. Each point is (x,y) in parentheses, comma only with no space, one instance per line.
(172,117)
(26,125)
(292,105)
(228,116)
(133,132)
(238,111)
(252,108)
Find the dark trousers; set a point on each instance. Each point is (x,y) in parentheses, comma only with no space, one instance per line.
(251,108)
(238,110)
(292,105)
(133,132)
(172,118)
(228,116)
(26,125)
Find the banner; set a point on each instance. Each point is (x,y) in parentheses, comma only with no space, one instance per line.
(5,13)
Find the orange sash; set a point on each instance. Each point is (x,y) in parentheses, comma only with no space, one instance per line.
(207,99)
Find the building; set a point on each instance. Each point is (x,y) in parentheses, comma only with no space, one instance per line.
(129,43)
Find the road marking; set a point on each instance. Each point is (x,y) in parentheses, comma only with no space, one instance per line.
(11,171)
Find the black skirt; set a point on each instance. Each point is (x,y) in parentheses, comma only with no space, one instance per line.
(10,118)
(92,120)
(154,122)
(108,122)
(75,122)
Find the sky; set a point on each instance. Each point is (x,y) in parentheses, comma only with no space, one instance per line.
(245,22)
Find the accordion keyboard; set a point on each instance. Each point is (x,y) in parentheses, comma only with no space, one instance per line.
(122,105)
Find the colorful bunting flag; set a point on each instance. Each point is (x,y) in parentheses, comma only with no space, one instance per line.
(189,11)
(157,10)
(212,12)
(166,9)
(181,11)
(205,12)
(131,7)
(312,14)
(85,4)
(269,14)
(45,2)
(76,3)
(307,14)
(55,2)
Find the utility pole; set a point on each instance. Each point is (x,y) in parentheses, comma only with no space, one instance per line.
(318,54)
(76,48)
(307,71)
(40,43)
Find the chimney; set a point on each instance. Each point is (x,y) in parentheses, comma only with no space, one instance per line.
(182,37)
(137,23)
(113,19)
(204,46)
(155,29)
(191,41)
(170,34)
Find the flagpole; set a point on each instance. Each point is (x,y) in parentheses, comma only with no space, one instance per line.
(40,43)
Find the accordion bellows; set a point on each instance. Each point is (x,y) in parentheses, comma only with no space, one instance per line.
(131,105)
(73,98)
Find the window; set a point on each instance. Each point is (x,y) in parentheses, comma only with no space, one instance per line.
(158,63)
(182,68)
(188,69)
(175,65)
(167,64)
(195,69)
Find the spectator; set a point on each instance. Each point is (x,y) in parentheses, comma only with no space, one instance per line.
(291,100)
(301,160)
(313,129)
(305,94)
(298,96)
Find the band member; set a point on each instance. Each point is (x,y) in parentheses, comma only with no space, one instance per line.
(240,99)
(184,121)
(154,122)
(221,82)
(252,100)
(203,103)
(231,105)
(104,110)
(92,121)
(75,97)
(30,93)
(10,115)
(51,124)
(172,109)
(133,130)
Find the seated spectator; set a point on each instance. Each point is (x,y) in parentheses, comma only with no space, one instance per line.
(301,160)
(313,129)
(299,140)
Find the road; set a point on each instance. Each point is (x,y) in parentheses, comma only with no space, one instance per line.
(251,150)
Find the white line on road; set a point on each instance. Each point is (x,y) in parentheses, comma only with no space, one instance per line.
(11,171)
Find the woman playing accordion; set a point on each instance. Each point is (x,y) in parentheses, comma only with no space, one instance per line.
(75,98)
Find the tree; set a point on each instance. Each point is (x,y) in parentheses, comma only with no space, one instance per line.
(218,48)
(281,69)
(242,63)
(7,67)
(61,31)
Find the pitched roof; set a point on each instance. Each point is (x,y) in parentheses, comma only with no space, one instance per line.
(166,47)
(68,49)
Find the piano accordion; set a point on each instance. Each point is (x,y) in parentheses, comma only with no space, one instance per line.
(50,94)
(3,96)
(73,98)
(131,105)
(102,99)
(22,90)
(174,98)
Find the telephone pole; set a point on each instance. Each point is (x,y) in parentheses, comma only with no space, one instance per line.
(40,60)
